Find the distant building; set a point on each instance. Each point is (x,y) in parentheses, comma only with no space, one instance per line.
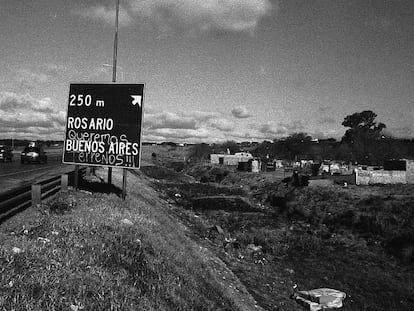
(230,159)
(410,171)
(394,172)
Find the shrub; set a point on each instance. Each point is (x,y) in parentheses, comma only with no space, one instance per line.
(62,204)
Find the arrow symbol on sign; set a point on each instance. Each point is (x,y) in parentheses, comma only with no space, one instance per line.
(136,99)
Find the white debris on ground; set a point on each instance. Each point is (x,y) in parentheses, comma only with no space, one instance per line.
(320,298)
(17,250)
(126,221)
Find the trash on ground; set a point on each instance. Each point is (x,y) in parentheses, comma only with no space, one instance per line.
(16,250)
(254,248)
(320,298)
(126,221)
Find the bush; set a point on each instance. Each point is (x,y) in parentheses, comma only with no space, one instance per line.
(208,173)
(62,204)
(200,152)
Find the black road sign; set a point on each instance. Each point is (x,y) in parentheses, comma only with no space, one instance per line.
(103,125)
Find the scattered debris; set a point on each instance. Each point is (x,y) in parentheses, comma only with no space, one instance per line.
(218,229)
(44,240)
(251,248)
(85,191)
(126,221)
(17,250)
(76,307)
(228,241)
(318,299)
(290,271)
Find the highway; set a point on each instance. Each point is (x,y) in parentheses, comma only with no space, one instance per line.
(14,174)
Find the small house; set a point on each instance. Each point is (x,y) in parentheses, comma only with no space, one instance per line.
(230,159)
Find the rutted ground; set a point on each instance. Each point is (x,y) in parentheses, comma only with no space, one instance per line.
(359,240)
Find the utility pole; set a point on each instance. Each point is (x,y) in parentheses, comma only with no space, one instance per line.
(114,68)
(124,176)
(115,42)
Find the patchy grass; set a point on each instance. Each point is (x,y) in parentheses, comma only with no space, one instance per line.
(165,155)
(85,251)
(165,174)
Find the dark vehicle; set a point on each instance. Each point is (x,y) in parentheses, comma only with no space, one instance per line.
(6,153)
(33,154)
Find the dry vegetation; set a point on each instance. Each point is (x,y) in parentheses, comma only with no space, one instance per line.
(154,251)
(84,251)
(359,240)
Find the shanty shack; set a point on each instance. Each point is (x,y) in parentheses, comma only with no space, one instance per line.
(394,172)
(230,159)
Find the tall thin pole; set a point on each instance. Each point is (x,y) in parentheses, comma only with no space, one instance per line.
(114,68)
(115,42)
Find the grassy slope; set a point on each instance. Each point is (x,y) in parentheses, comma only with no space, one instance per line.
(76,253)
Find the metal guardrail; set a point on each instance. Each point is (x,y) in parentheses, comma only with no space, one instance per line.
(20,198)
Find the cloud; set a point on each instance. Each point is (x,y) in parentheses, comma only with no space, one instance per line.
(11,102)
(192,126)
(222,124)
(240,113)
(191,16)
(328,120)
(54,69)
(169,120)
(168,133)
(272,129)
(400,132)
(324,108)
(325,134)
(187,120)
(25,116)
(202,116)
(104,14)
(277,130)
(29,80)
(379,23)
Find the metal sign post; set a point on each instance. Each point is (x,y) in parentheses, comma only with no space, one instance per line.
(76,177)
(124,183)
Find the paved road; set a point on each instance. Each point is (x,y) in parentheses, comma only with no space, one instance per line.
(14,174)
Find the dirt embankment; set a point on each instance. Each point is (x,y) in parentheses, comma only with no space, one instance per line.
(359,240)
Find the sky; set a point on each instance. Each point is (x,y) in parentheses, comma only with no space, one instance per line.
(214,70)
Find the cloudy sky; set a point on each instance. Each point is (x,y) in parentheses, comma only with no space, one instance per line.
(213,69)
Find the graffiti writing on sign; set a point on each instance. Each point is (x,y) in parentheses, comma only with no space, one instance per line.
(104,125)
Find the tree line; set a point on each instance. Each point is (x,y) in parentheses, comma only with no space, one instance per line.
(364,142)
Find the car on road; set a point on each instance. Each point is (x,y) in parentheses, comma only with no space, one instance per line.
(6,153)
(33,154)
